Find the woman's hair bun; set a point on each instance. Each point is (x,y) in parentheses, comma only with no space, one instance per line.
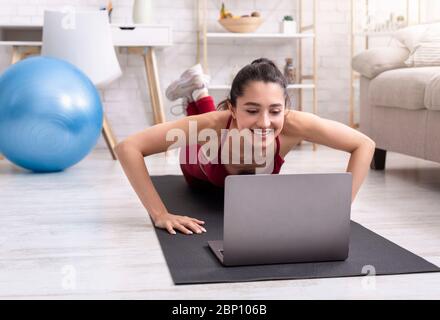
(261,69)
(264,61)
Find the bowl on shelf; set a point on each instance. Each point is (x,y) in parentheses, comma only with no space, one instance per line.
(241,24)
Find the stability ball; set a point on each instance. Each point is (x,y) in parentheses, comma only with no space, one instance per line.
(50,114)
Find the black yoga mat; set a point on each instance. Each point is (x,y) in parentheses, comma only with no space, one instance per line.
(190,260)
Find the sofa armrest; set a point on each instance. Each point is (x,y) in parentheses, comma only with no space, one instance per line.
(373,62)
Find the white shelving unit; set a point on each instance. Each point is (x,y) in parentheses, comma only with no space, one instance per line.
(289,87)
(306,32)
(268,36)
(374,34)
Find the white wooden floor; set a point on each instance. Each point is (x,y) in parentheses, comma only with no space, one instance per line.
(83,233)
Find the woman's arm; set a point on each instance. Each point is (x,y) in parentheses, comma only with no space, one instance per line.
(131,153)
(338,136)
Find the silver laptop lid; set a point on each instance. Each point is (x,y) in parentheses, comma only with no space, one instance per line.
(286,218)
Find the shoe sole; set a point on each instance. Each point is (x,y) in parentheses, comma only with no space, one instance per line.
(182,85)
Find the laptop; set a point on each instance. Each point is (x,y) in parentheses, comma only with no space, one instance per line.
(294,218)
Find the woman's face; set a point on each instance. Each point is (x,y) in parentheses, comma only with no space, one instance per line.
(261,107)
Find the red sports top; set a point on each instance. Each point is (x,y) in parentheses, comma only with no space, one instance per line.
(215,173)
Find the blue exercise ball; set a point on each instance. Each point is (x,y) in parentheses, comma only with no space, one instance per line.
(50,114)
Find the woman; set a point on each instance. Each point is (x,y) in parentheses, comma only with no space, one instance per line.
(258,103)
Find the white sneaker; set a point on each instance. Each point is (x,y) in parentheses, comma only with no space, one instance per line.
(189,81)
(196,69)
(179,109)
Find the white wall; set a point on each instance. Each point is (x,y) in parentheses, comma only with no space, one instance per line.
(126,101)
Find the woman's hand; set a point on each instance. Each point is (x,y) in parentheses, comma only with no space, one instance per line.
(184,224)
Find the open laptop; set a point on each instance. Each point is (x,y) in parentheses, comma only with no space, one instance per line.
(292,218)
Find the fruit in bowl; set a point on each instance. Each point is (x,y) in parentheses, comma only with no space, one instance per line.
(241,24)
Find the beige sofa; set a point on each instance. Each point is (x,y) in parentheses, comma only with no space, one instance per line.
(399,105)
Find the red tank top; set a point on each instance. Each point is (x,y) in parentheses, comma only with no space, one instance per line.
(216,173)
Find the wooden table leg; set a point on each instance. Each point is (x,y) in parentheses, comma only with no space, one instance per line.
(154,86)
(109,137)
(16,56)
(154,89)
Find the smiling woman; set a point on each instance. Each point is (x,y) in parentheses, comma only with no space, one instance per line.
(258,104)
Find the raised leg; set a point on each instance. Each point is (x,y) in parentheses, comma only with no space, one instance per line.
(205,104)
(202,105)
(379,158)
(191,109)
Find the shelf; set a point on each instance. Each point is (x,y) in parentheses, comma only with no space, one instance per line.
(21,43)
(375,34)
(289,87)
(269,36)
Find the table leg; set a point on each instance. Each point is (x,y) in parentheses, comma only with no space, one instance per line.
(109,137)
(16,56)
(154,86)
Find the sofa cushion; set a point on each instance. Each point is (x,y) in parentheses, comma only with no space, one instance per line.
(411,36)
(373,62)
(402,88)
(432,94)
(426,54)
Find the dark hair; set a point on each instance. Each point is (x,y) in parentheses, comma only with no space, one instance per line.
(259,70)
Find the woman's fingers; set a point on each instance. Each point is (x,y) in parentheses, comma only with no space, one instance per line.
(193,226)
(170,228)
(190,225)
(198,221)
(182,228)
(184,224)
